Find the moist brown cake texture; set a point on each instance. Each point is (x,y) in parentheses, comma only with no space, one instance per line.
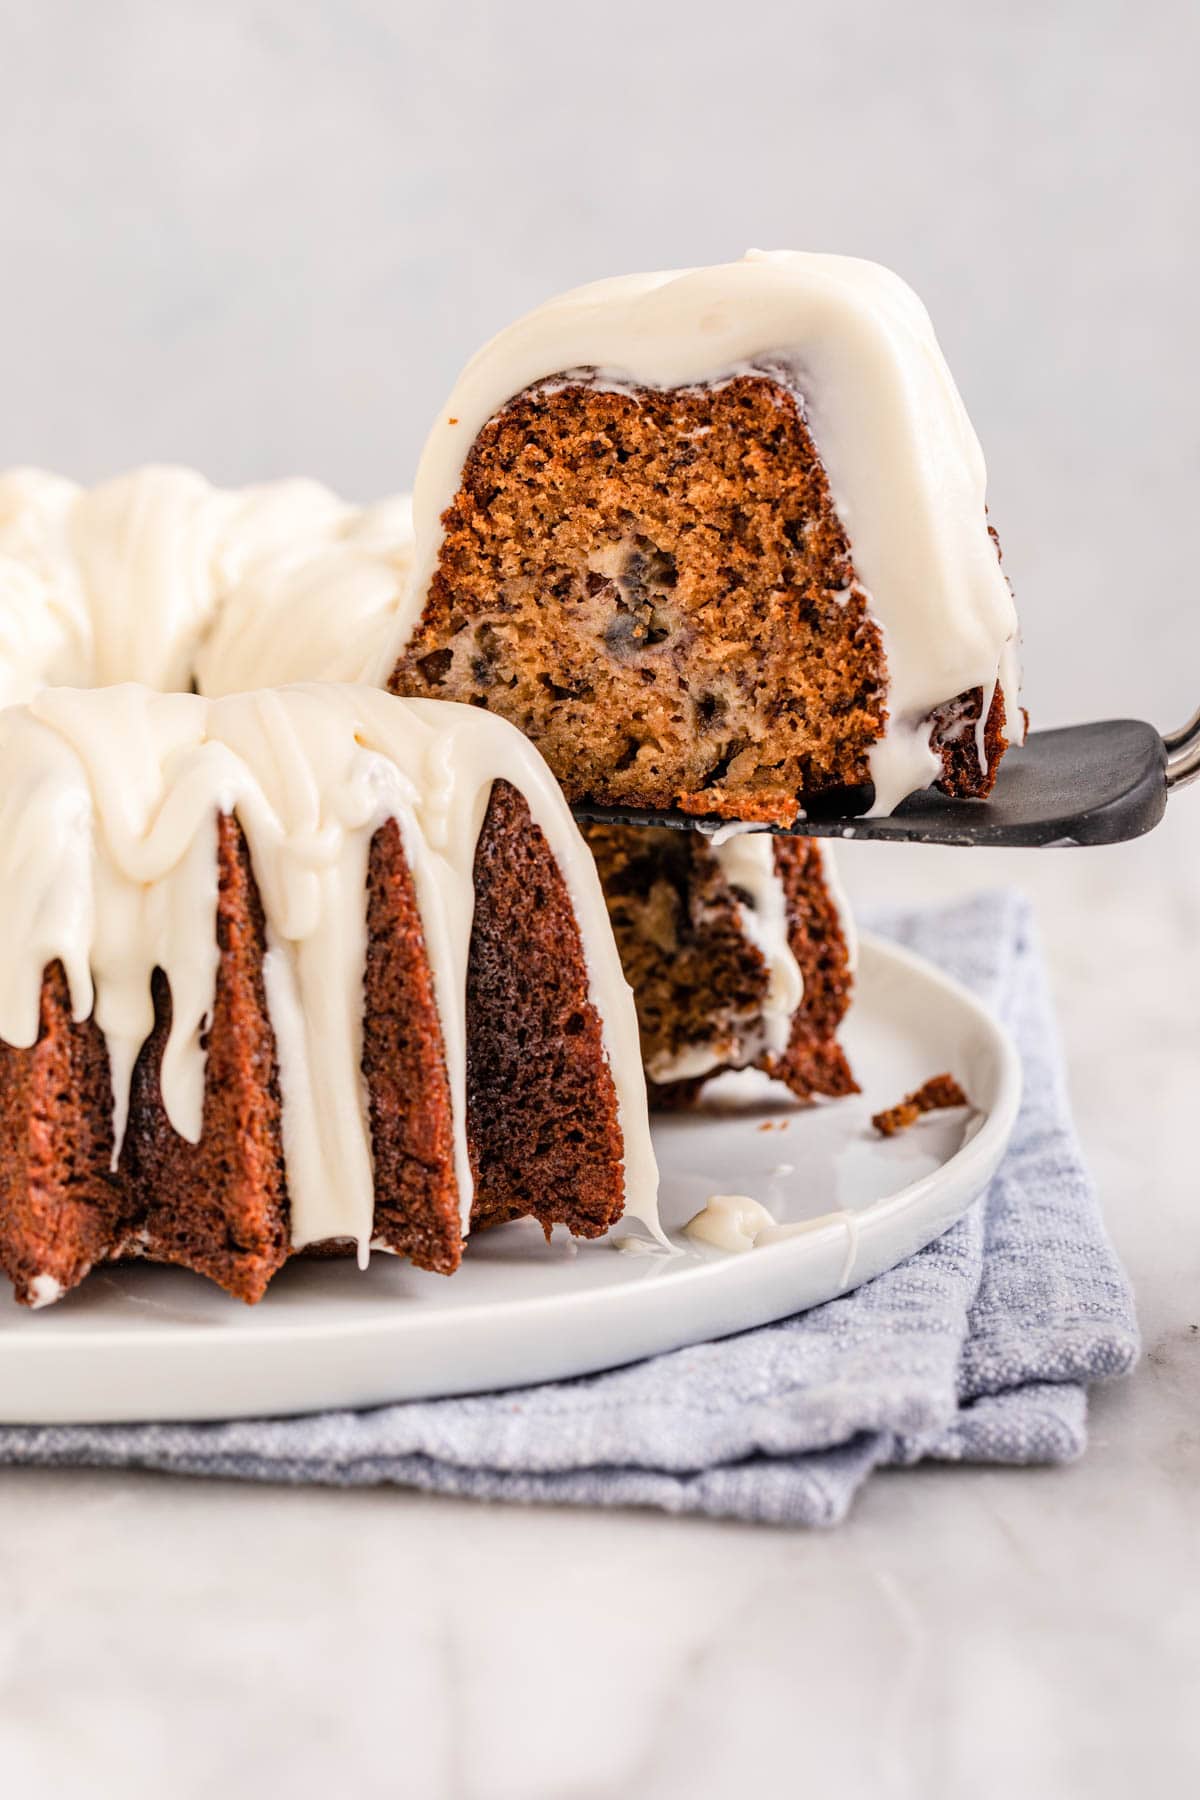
(218,1206)
(408,1088)
(938,1094)
(60,1210)
(655,587)
(541,1105)
(542,1127)
(697,977)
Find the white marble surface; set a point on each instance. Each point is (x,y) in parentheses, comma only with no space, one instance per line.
(991,1632)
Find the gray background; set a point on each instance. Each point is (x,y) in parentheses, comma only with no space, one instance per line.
(262,235)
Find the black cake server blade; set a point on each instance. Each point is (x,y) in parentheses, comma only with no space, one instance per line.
(1101,783)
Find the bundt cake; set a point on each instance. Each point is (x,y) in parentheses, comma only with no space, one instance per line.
(298,969)
(237,590)
(717,540)
(740,953)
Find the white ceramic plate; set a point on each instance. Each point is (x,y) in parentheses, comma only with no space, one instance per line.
(140,1342)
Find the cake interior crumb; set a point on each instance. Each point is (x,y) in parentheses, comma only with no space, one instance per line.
(938,1094)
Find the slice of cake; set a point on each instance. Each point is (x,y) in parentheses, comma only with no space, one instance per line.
(717,540)
(740,954)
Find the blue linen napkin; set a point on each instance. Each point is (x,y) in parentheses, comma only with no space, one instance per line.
(978,1349)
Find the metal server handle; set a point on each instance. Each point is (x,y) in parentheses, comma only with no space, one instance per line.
(1183,752)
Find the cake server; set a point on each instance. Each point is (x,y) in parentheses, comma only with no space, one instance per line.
(1100,783)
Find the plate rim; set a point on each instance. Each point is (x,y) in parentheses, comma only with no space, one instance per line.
(968,1169)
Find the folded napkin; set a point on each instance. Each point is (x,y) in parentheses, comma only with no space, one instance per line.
(978,1349)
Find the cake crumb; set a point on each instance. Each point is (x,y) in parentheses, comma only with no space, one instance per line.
(937,1094)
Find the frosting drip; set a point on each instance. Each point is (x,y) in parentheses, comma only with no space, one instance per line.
(735,1223)
(904,466)
(731,1222)
(747,861)
(108,808)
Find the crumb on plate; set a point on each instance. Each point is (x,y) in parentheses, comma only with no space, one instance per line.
(937,1094)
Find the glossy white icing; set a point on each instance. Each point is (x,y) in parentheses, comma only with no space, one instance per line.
(640,1246)
(731,1222)
(45,624)
(904,465)
(690,1061)
(747,862)
(316,608)
(44,1291)
(736,1223)
(837,893)
(159,577)
(108,807)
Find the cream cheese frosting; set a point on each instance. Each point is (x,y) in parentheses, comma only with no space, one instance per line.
(904,466)
(108,807)
(161,578)
(736,1223)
